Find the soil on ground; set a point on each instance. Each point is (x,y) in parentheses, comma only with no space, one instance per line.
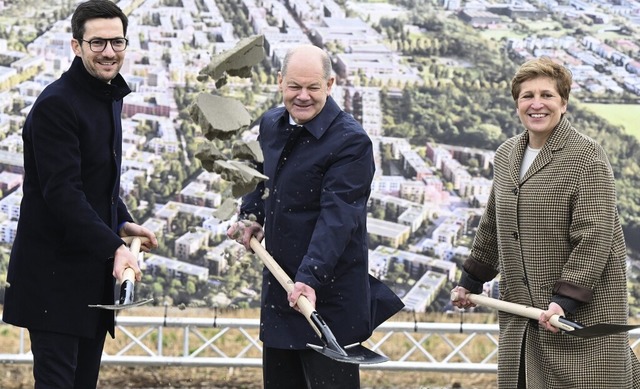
(118,377)
(19,376)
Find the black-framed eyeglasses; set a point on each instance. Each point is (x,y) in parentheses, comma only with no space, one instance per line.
(98,45)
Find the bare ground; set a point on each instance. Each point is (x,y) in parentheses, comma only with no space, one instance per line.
(118,377)
(19,376)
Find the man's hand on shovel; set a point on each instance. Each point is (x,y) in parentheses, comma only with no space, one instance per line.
(147,237)
(123,260)
(355,353)
(301,289)
(127,272)
(242,231)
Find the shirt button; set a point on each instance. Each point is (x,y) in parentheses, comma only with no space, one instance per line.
(515,235)
(515,191)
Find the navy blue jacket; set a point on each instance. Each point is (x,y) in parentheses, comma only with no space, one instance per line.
(314,219)
(62,257)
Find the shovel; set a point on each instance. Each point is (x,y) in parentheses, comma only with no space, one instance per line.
(355,353)
(128,282)
(566,325)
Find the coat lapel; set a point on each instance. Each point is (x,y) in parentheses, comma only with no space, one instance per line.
(556,141)
(274,140)
(515,158)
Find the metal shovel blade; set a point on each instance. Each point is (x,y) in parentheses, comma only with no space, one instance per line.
(355,353)
(601,329)
(569,327)
(126,298)
(351,354)
(119,307)
(127,288)
(126,292)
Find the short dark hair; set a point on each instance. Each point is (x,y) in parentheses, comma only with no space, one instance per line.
(543,67)
(94,9)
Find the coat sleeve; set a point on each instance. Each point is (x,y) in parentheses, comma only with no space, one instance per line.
(56,149)
(123,213)
(345,191)
(482,264)
(593,217)
(253,203)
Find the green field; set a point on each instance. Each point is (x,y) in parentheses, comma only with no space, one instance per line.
(625,115)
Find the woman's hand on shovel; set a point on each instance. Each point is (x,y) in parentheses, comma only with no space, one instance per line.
(300,289)
(459,298)
(554,309)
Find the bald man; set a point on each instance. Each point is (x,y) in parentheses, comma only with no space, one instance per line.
(320,166)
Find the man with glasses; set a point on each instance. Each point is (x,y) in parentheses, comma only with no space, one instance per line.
(68,251)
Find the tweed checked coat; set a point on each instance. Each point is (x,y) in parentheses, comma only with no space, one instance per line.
(556,232)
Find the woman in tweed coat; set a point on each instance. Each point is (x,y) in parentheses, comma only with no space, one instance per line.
(552,232)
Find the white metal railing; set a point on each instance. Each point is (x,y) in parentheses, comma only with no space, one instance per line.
(226,342)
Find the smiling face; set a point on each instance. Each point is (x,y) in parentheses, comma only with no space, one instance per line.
(304,86)
(540,108)
(105,65)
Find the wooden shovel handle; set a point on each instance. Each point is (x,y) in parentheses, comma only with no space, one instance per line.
(134,246)
(128,275)
(283,278)
(513,308)
(129,240)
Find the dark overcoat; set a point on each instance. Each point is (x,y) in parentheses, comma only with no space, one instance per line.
(557,232)
(314,218)
(62,256)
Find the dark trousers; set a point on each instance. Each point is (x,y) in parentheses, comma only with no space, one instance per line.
(522,375)
(63,361)
(299,369)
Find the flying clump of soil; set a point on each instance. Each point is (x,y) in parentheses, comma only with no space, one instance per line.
(223,119)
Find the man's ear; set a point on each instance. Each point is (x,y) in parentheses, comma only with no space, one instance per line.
(75,46)
(330,83)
